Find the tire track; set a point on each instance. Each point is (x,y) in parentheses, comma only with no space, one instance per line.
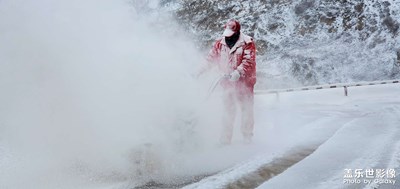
(267,169)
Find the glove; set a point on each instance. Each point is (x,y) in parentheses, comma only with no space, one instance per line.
(234,76)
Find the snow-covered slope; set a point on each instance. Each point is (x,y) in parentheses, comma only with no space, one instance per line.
(304,42)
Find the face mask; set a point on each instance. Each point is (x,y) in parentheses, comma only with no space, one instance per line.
(230,41)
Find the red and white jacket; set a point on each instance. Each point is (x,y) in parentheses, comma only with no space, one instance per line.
(241,57)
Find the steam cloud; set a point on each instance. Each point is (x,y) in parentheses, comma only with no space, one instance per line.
(83,83)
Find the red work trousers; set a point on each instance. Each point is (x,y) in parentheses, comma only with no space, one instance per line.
(238,96)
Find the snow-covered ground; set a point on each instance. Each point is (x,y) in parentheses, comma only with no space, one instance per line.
(317,135)
(360,131)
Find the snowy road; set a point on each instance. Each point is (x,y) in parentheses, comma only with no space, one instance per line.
(331,132)
(303,139)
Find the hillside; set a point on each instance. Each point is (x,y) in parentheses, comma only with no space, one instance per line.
(304,42)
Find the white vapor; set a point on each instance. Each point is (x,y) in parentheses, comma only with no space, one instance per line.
(83,83)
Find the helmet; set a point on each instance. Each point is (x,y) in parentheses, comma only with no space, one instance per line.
(231,27)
